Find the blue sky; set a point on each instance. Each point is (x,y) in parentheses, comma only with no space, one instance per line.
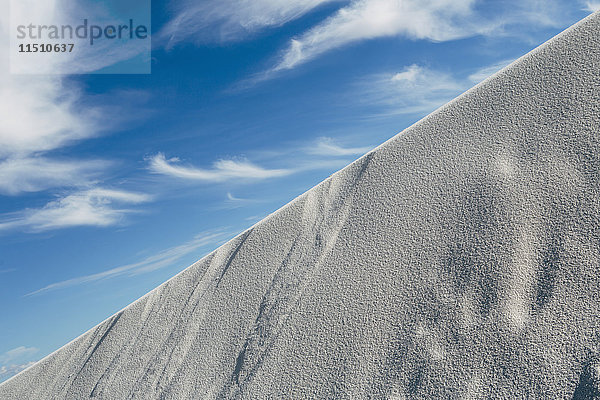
(112,184)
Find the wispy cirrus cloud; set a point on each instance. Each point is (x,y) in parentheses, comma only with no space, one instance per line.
(437,20)
(416,89)
(232,202)
(7,271)
(34,174)
(95,207)
(326,146)
(39,112)
(432,20)
(489,70)
(324,153)
(592,6)
(157,261)
(359,20)
(231,197)
(16,360)
(413,90)
(231,20)
(8,371)
(222,170)
(42,114)
(17,354)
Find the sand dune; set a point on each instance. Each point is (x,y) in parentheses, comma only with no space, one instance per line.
(459,260)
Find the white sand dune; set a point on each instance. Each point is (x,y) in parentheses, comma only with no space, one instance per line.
(459,260)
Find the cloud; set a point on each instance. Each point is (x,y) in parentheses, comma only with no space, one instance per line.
(43,113)
(224,21)
(39,112)
(255,218)
(8,371)
(433,20)
(232,202)
(410,74)
(17,354)
(94,207)
(7,271)
(242,170)
(231,197)
(325,146)
(222,170)
(413,90)
(231,20)
(160,260)
(488,71)
(592,6)
(16,360)
(417,89)
(35,174)
(437,20)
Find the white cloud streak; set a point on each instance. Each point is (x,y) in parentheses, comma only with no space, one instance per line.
(16,360)
(592,6)
(94,207)
(437,20)
(7,271)
(330,154)
(417,89)
(231,20)
(8,371)
(413,90)
(44,112)
(160,260)
(17,354)
(232,198)
(359,20)
(433,20)
(326,146)
(485,72)
(36,174)
(222,170)
(232,202)
(38,112)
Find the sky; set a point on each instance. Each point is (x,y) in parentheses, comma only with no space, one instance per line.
(110,184)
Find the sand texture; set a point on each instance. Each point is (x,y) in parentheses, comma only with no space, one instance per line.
(459,260)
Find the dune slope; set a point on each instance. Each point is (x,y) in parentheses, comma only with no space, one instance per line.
(459,260)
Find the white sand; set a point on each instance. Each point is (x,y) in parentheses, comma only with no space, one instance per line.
(460,260)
